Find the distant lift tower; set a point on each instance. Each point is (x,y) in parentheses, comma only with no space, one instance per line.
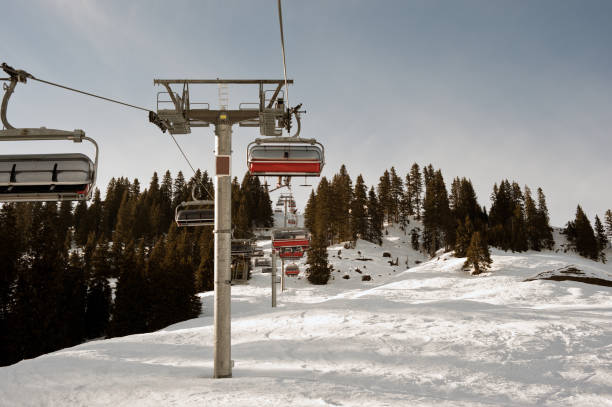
(179,115)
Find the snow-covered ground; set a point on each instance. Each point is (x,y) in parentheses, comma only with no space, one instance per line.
(431,335)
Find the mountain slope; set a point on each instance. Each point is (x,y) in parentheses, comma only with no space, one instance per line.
(429,335)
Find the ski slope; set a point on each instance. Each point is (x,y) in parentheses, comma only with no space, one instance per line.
(431,335)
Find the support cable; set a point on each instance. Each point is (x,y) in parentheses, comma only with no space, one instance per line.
(91,94)
(191,166)
(280,19)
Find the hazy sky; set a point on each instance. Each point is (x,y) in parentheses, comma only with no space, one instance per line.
(483,89)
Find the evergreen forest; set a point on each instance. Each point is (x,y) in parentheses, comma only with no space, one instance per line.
(119,265)
(112,267)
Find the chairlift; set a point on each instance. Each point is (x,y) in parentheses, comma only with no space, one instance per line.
(285,157)
(242,247)
(42,177)
(292,252)
(195,213)
(46,177)
(291,238)
(292,270)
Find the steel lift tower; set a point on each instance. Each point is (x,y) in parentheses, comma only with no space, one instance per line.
(175,113)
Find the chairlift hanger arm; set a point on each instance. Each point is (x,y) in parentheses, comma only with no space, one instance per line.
(175,99)
(17,75)
(275,95)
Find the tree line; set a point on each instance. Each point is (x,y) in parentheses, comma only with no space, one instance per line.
(112,267)
(518,219)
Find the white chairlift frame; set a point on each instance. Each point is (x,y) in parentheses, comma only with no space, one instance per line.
(43,134)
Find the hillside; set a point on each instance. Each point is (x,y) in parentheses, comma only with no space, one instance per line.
(427,335)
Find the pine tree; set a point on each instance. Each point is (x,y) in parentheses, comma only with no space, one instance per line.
(159,282)
(266,217)
(318,271)
(172,281)
(95,214)
(384,196)
(242,227)
(165,202)
(323,215)
(414,238)
(375,218)
(82,224)
(98,302)
(114,196)
(439,229)
(428,174)
(65,219)
(124,228)
(187,302)
(478,255)
(204,277)
(130,311)
(342,191)
(531,220)
(10,253)
(38,327)
(310,212)
(359,218)
(609,224)
(464,237)
(404,213)
(602,240)
(180,192)
(72,301)
(397,192)
(507,225)
(581,234)
(416,189)
(407,208)
(134,189)
(543,224)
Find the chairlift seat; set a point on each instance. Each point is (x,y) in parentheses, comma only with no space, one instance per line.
(46,177)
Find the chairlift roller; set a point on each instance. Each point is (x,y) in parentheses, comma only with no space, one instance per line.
(46,177)
(285,157)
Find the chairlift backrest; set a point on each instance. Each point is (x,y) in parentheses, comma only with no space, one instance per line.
(285,156)
(195,213)
(291,238)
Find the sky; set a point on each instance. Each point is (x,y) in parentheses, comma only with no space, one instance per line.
(487,90)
